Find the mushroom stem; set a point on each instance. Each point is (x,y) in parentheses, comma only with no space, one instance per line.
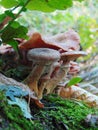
(34,76)
(42,58)
(42,87)
(66,57)
(58,76)
(44,79)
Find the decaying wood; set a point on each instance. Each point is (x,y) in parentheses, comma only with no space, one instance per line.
(90,88)
(80,94)
(9,81)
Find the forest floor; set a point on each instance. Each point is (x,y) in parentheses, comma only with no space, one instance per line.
(58,114)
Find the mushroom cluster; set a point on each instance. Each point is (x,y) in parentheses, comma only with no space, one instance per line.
(50,59)
(43,60)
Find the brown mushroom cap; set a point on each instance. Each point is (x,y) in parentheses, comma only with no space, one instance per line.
(71,55)
(43,55)
(64,41)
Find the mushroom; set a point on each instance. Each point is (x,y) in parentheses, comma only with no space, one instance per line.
(66,57)
(36,41)
(62,42)
(65,41)
(57,78)
(72,55)
(67,44)
(44,80)
(74,68)
(41,58)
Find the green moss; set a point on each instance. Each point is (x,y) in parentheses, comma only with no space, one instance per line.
(64,112)
(14,117)
(57,114)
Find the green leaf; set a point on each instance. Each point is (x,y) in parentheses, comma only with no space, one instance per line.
(14,44)
(74,81)
(15,24)
(2,17)
(14,32)
(49,5)
(21,2)
(79,0)
(40,5)
(61,5)
(9,13)
(8,3)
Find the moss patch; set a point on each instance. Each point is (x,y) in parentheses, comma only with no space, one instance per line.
(57,114)
(63,114)
(12,117)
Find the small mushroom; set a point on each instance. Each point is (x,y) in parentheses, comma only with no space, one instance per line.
(71,55)
(74,68)
(57,78)
(41,58)
(65,41)
(66,57)
(45,79)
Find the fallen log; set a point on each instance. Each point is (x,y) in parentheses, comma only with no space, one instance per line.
(9,81)
(79,94)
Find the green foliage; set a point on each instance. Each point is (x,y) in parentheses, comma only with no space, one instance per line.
(9,4)
(2,17)
(9,13)
(49,5)
(41,5)
(74,81)
(9,32)
(86,26)
(13,31)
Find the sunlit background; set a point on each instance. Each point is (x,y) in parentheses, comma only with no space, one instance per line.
(82,17)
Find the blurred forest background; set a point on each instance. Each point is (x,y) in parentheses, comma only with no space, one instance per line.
(82,17)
